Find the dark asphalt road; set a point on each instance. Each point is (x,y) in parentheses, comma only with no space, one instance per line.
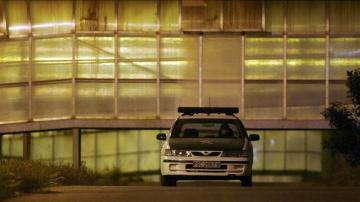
(197,192)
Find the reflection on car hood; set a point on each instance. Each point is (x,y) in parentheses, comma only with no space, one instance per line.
(215,144)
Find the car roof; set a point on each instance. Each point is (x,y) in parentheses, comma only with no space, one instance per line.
(208,116)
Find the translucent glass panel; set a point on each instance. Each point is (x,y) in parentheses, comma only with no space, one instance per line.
(12,145)
(95,57)
(258,148)
(274,16)
(137,100)
(242,14)
(263,100)
(169,15)
(106,150)
(344,16)
(138,15)
(305,100)
(51,71)
(306,59)
(52,49)
(88,154)
(51,16)
(149,150)
(338,92)
(138,58)
(179,58)
(95,15)
(14,56)
(13,104)
(274,147)
(264,59)
(52,146)
(200,15)
(129,146)
(94,100)
(344,56)
(221,56)
(17,17)
(2,23)
(312,22)
(52,101)
(175,94)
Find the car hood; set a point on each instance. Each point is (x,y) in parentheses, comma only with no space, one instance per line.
(214,144)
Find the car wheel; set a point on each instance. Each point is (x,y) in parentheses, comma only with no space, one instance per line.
(246,181)
(168,181)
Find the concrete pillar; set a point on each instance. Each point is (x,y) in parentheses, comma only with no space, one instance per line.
(76,147)
(26,145)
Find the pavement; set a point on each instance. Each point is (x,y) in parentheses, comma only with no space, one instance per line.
(196,192)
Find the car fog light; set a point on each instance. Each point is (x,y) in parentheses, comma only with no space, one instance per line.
(172,167)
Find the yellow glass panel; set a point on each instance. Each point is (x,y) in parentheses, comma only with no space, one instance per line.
(274,16)
(129,163)
(274,140)
(13,104)
(295,161)
(274,161)
(6,145)
(88,148)
(148,141)
(222,56)
(221,94)
(106,143)
(338,92)
(295,140)
(51,71)
(179,58)
(149,161)
(344,16)
(95,100)
(13,72)
(94,69)
(242,14)
(42,146)
(138,57)
(51,16)
(169,15)
(63,147)
(12,145)
(52,101)
(200,15)
(14,51)
(173,95)
(314,140)
(314,162)
(298,108)
(95,48)
(95,15)
(17,17)
(255,95)
(137,100)
(52,49)
(140,15)
(312,22)
(128,141)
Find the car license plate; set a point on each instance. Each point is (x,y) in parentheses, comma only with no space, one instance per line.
(206,164)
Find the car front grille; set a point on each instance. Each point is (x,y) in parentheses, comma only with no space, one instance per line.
(199,153)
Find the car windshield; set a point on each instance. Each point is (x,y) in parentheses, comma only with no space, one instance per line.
(203,128)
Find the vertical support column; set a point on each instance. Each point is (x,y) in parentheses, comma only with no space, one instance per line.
(327,57)
(73,57)
(76,147)
(30,44)
(26,146)
(158,90)
(200,70)
(263,16)
(242,67)
(285,63)
(116,65)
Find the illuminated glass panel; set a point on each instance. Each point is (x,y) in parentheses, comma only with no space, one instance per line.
(314,162)
(42,146)
(13,72)
(52,49)
(200,15)
(95,15)
(17,17)
(274,16)
(344,16)
(338,92)
(258,148)
(312,22)
(295,140)
(2,21)
(94,69)
(13,104)
(52,71)
(63,147)
(149,150)
(14,51)
(106,150)
(306,59)
(242,14)
(274,161)
(299,104)
(138,15)
(314,141)
(95,48)
(275,140)
(56,97)
(179,58)
(221,94)
(137,100)
(138,57)
(295,161)
(51,16)
(263,100)
(169,15)
(12,145)
(88,154)
(264,59)
(176,93)
(128,148)
(94,100)
(344,56)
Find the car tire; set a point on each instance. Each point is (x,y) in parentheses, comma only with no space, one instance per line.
(246,181)
(168,181)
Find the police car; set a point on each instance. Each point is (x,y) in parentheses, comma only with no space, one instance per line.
(207,143)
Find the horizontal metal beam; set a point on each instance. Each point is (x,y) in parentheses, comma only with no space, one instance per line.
(151,124)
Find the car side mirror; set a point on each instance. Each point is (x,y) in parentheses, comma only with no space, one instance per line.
(254,137)
(161,136)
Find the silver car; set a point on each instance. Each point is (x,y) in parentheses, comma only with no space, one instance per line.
(207,143)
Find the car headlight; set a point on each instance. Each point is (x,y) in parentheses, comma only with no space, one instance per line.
(242,153)
(180,153)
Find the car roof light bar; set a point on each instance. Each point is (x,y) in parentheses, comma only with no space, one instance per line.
(208,110)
